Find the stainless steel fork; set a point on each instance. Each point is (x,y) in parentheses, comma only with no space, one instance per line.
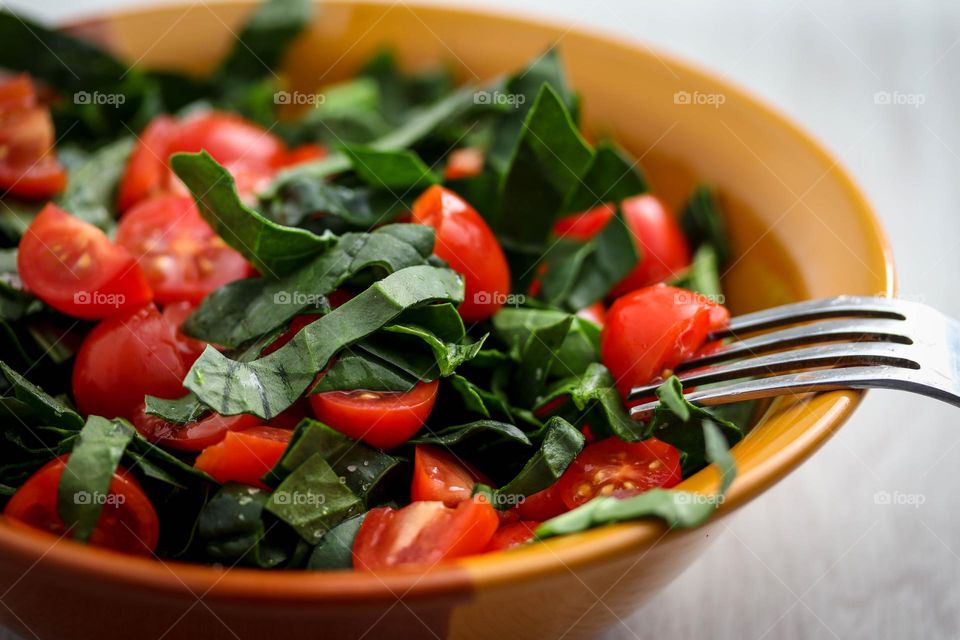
(847,342)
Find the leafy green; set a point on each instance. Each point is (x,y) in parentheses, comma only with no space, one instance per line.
(92,185)
(85,483)
(595,395)
(273,249)
(703,223)
(561,444)
(364,370)
(537,359)
(612,176)
(247,310)
(24,400)
(264,39)
(703,274)
(453,435)
(390,169)
(676,508)
(441,328)
(335,549)
(514,326)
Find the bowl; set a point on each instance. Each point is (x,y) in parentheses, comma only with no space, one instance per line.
(800,229)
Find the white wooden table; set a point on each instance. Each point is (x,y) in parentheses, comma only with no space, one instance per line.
(817,556)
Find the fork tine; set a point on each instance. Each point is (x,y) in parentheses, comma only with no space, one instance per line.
(882,330)
(832,355)
(795,383)
(842,306)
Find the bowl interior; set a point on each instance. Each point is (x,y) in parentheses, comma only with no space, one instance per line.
(800,228)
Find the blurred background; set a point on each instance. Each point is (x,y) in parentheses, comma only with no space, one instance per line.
(863,541)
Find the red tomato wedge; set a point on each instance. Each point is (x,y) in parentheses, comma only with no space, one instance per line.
(180,254)
(422,533)
(28,165)
(127,357)
(512,535)
(147,173)
(128,521)
(468,245)
(613,467)
(439,476)
(192,436)
(542,505)
(664,252)
(650,331)
(244,456)
(384,419)
(72,266)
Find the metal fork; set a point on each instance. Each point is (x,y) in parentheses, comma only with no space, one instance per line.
(847,342)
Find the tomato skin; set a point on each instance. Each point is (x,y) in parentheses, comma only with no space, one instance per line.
(244,456)
(72,266)
(422,533)
(512,535)
(28,166)
(182,257)
(613,467)
(127,523)
(651,330)
(595,313)
(468,245)
(192,436)
(439,476)
(463,163)
(542,505)
(146,173)
(381,419)
(583,226)
(126,357)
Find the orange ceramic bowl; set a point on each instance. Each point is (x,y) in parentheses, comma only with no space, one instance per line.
(801,229)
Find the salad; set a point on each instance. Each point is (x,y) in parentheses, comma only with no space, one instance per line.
(387,322)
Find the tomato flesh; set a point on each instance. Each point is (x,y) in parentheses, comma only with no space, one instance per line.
(468,245)
(542,505)
(620,469)
(72,266)
(28,165)
(384,419)
(192,436)
(128,522)
(244,456)
(512,535)
(180,254)
(650,331)
(439,476)
(127,357)
(423,533)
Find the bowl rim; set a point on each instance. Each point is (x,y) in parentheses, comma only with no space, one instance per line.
(458,578)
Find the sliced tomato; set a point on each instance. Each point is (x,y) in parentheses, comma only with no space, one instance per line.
(244,456)
(595,313)
(127,357)
(650,331)
(422,533)
(613,467)
(180,254)
(384,419)
(583,226)
(513,535)
(464,163)
(439,476)
(28,165)
(468,245)
(128,522)
(147,173)
(72,266)
(192,436)
(542,505)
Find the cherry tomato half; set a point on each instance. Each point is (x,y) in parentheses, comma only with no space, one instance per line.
(244,456)
(439,476)
(192,436)
(542,505)
(664,252)
(28,166)
(180,254)
(512,535)
(613,467)
(652,330)
(126,357)
(72,266)
(423,533)
(128,521)
(384,419)
(468,245)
